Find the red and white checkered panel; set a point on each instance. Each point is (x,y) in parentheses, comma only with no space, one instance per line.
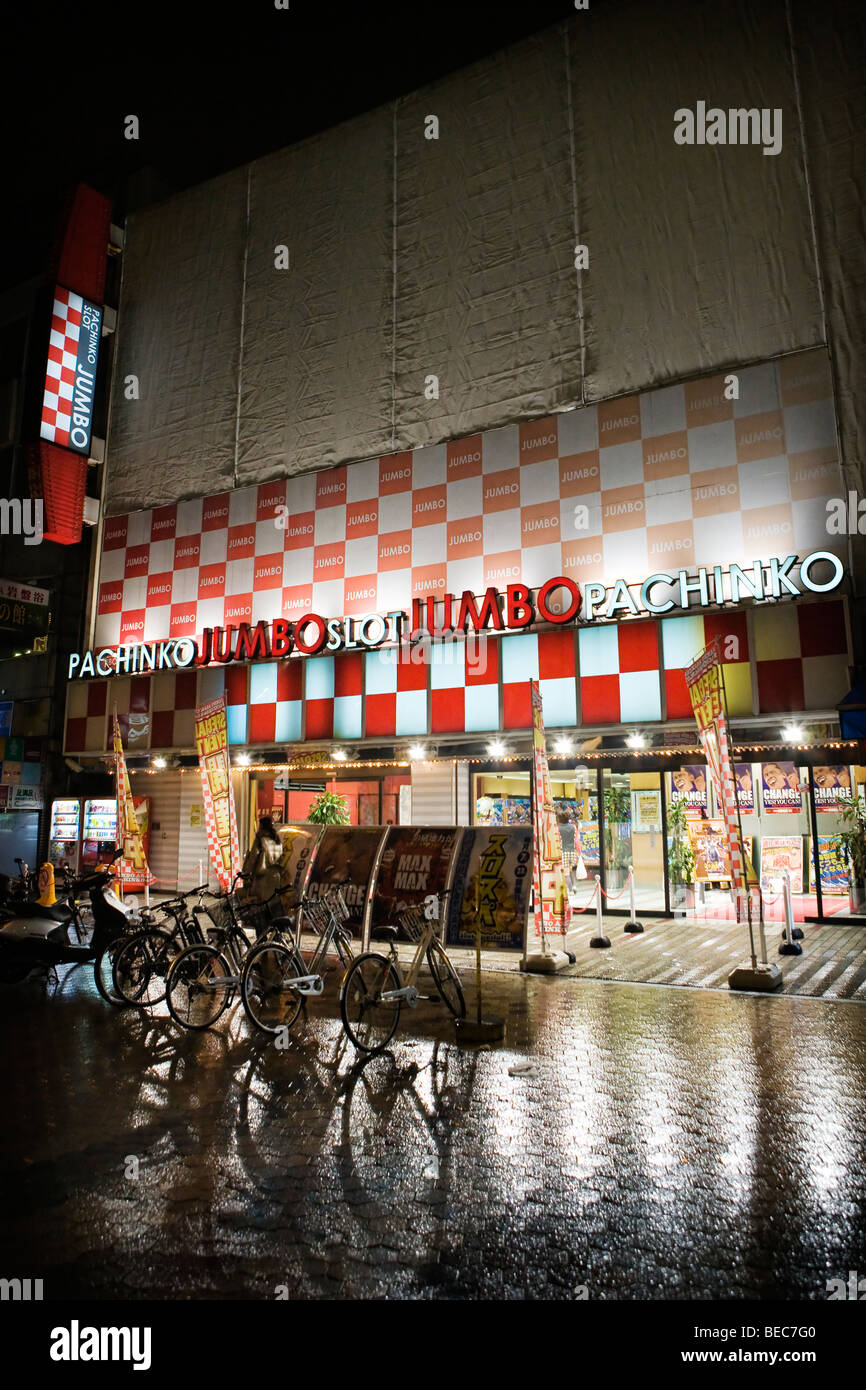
(671,479)
(60,372)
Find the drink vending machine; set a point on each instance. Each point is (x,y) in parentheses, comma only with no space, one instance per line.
(84,834)
(64,836)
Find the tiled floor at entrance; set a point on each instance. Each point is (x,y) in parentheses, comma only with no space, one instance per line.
(702,954)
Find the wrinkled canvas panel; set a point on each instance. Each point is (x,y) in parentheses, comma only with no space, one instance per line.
(486,285)
(699,256)
(178,332)
(830,42)
(316,364)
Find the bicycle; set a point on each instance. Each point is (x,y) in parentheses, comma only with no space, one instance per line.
(373,990)
(277,979)
(144,959)
(202,979)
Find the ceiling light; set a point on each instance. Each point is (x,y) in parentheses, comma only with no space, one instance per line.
(417,751)
(496,749)
(160,763)
(339,755)
(636,740)
(243,760)
(563,745)
(793,733)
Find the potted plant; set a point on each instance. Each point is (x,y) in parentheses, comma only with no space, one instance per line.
(681,859)
(850,844)
(329,809)
(617,813)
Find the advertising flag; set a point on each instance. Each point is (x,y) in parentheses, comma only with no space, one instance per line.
(134,871)
(704,681)
(552,909)
(212,746)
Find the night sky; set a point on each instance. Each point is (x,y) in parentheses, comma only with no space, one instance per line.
(213,86)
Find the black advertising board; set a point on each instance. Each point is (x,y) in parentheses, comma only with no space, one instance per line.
(415,862)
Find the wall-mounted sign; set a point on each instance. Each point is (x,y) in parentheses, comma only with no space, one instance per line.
(832,787)
(6,708)
(689,784)
(70,376)
(557,601)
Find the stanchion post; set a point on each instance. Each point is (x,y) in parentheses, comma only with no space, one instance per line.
(789,946)
(632,926)
(598,941)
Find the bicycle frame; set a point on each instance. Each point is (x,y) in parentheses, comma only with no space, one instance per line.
(408,991)
(312,982)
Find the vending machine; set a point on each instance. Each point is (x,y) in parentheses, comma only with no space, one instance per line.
(98,835)
(64,837)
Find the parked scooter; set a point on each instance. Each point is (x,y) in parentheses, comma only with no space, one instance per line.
(38,938)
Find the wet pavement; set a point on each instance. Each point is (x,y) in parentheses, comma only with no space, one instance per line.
(664,1144)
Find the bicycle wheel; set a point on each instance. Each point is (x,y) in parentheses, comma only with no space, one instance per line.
(142,965)
(446,979)
(270,1000)
(103,973)
(369,1020)
(198,987)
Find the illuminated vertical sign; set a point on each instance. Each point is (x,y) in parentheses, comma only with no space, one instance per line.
(70,377)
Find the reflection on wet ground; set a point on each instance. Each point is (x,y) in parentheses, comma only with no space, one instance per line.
(668,1144)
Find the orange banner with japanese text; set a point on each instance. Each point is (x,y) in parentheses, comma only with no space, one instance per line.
(705,685)
(212,746)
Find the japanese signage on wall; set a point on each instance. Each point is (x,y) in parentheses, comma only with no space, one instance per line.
(492,877)
(414,863)
(832,867)
(780,788)
(346,856)
(778,853)
(709,843)
(70,377)
(212,746)
(832,787)
(704,681)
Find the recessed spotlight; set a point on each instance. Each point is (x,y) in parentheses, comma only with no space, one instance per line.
(496,749)
(160,763)
(339,755)
(417,751)
(636,740)
(563,745)
(793,733)
(243,760)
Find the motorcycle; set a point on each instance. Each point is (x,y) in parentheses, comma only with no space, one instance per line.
(38,937)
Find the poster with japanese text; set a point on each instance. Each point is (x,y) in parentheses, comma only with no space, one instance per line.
(212,746)
(491,886)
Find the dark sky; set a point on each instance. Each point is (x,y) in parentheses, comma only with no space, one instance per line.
(213,86)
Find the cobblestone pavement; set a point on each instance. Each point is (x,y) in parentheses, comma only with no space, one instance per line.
(665,1144)
(703,954)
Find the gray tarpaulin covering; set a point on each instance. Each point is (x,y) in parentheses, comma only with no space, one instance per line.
(701,255)
(455,257)
(179,334)
(316,374)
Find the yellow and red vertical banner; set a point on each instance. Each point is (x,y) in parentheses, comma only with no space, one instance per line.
(212,746)
(704,681)
(134,871)
(552,909)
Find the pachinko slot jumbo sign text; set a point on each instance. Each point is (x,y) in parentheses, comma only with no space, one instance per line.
(212,746)
(70,376)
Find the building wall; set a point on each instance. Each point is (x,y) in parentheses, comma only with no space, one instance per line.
(412,258)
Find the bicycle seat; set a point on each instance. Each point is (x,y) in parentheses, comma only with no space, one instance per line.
(383,934)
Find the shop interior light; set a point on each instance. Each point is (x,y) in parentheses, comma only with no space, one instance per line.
(793,733)
(160,763)
(417,751)
(496,748)
(636,740)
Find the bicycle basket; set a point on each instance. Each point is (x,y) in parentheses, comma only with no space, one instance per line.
(412,922)
(255,916)
(333,896)
(222,911)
